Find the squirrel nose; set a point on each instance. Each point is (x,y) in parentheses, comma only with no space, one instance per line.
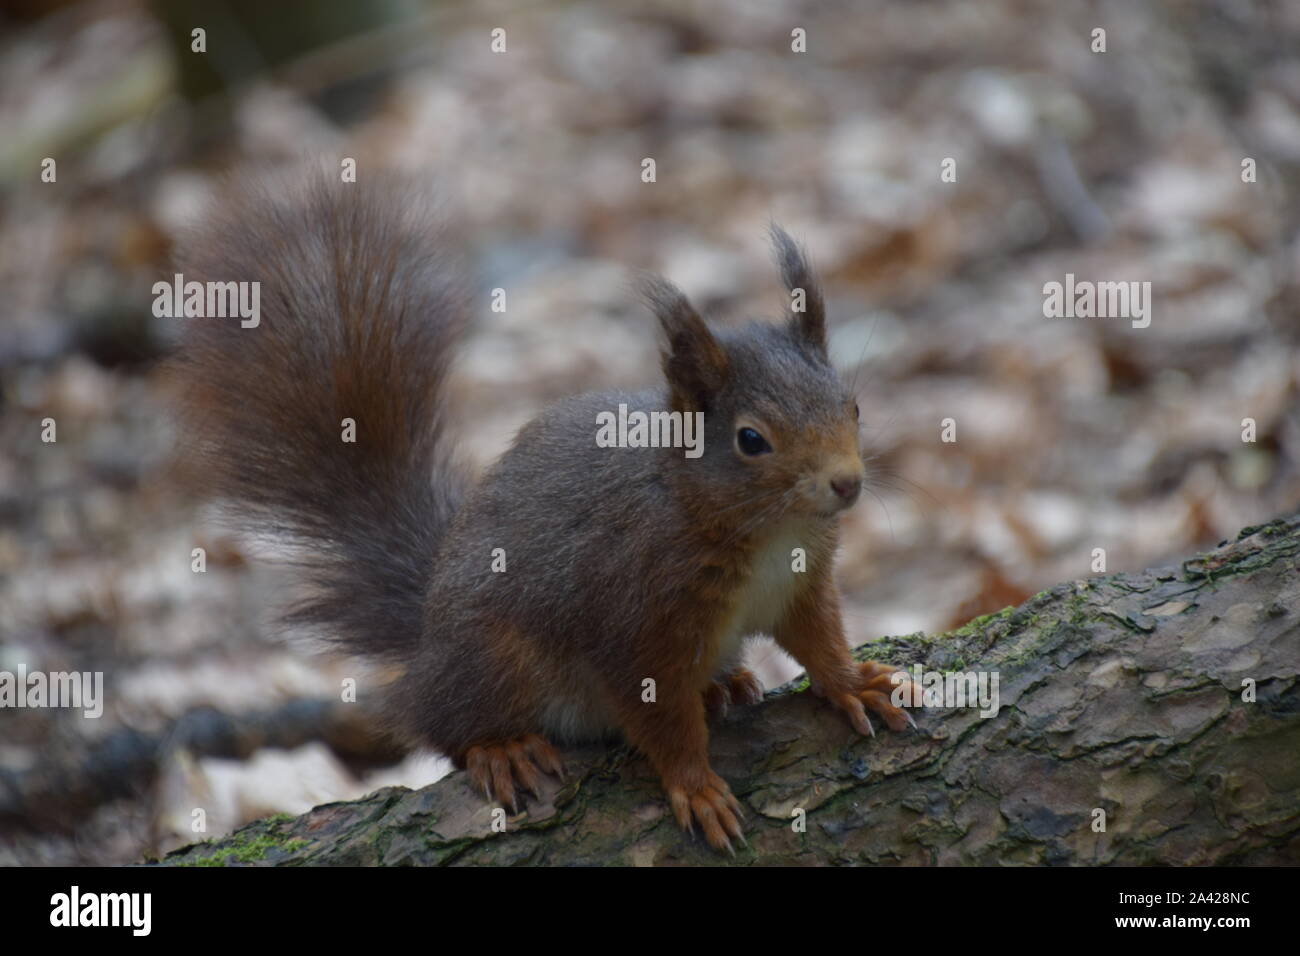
(847,487)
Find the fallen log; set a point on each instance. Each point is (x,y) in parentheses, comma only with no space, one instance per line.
(1149,718)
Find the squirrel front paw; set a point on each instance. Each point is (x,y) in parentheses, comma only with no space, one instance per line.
(737,688)
(710,804)
(871,690)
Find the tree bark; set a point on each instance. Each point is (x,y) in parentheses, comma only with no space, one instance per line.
(1127,695)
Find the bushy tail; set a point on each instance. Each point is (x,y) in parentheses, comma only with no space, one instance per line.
(359,315)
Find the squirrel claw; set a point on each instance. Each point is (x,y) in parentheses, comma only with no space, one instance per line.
(852,705)
(712,806)
(743,686)
(544,755)
(735,688)
(876,694)
(501,770)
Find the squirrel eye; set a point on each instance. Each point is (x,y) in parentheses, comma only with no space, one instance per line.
(857,414)
(751,442)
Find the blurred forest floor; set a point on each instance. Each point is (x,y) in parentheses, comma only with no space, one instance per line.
(1072,434)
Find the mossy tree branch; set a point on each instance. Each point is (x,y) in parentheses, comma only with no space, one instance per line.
(1121,693)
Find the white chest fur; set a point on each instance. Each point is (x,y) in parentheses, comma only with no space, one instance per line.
(772,583)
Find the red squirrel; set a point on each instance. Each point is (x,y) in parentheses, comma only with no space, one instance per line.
(623,565)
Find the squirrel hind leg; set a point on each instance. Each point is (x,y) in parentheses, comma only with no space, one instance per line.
(501,769)
(737,687)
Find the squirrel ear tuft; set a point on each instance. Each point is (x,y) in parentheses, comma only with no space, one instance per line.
(694,363)
(809,324)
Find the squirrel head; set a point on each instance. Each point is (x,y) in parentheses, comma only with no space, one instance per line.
(780,427)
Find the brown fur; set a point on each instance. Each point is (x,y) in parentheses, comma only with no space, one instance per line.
(624,565)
